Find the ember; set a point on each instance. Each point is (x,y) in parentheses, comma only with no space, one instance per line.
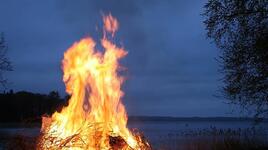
(95,117)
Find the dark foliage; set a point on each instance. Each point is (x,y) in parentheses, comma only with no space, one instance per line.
(28,107)
(5,64)
(240,29)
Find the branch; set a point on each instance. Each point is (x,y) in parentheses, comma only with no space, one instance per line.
(244,13)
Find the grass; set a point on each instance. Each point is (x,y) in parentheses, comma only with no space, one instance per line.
(17,142)
(215,139)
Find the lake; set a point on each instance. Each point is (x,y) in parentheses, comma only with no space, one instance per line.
(175,133)
(168,133)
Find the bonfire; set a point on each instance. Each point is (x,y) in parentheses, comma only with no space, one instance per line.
(95,117)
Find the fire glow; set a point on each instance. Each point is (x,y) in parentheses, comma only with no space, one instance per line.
(95,117)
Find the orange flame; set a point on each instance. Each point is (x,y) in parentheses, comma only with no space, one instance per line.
(110,24)
(95,110)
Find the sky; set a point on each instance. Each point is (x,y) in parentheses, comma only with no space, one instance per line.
(171,64)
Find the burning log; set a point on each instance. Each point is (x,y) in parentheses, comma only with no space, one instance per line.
(95,117)
(95,131)
(117,142)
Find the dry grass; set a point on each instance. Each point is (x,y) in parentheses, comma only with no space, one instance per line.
(215,139)
(20,142)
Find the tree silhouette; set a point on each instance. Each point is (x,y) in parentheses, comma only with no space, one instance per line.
(23,106)
(240,29)
(5,64)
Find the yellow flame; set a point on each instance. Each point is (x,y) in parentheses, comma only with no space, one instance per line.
(95,110)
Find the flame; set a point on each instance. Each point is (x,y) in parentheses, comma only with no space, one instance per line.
(95,115)
(110,24)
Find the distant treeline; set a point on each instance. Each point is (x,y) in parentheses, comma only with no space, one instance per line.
(163,119)
(28,107)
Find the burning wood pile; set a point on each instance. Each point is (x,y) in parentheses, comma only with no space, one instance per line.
(95,117)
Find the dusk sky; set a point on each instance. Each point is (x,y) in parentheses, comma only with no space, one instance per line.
(171,64)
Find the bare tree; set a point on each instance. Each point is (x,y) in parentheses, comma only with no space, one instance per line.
(5,64)
(240,29)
